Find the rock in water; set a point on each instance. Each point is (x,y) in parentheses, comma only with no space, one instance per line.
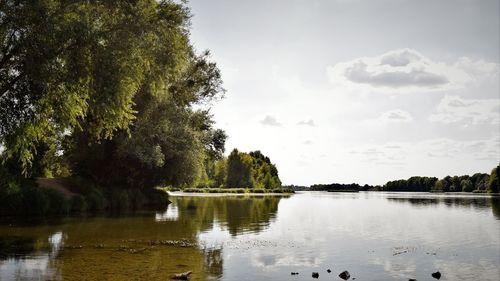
(181,276)
(345,275)
(315,275)
(412,279)
(436,275)
(328,270)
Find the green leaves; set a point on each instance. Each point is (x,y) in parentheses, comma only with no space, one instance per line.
(99,72)
(250,170)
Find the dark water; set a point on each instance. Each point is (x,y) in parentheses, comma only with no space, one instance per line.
(375,236)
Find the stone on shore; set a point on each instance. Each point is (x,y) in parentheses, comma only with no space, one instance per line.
(181,276)
(345,275)
(436,275)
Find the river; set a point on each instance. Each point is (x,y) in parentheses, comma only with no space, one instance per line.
(373,235)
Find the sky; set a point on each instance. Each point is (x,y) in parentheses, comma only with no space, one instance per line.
(361,91)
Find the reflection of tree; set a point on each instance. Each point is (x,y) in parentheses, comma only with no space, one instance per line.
(214,262)
(495,206)
(16,246)
(82,257)
(483,202)
(239,214)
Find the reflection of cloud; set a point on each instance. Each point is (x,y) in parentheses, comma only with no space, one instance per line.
(270,121)
(456,270)
(408,70)
(397,269)
(272,261)
(309,122)
(455,109)
(170,214)
(37,265)
(56,241)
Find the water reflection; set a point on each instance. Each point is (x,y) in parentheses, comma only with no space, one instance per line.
(458,201)
(170,214)
(376,236)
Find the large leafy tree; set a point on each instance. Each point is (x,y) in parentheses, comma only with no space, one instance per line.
(114,84)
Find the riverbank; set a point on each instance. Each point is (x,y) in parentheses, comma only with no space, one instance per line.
(230,190)
(67,196)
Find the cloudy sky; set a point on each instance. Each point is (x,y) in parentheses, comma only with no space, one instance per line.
(358,90)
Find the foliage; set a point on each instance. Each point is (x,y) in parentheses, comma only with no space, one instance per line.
(467,185)
(78,204)
(245,170)
(111,91)
(239,170)
(494,183)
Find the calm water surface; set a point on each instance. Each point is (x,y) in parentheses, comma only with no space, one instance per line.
(375,236)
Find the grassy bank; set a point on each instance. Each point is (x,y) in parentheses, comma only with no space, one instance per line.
(230,190)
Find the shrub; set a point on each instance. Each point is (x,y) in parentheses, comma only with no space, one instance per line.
(11,199)
(57,203)
(96,202)
(35,201)
(78,204)
(156,197)
(119,200)
(137,199)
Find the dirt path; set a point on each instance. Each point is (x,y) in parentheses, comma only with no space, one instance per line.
(56,185)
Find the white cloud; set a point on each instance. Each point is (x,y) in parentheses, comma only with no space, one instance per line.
(479,68)
(309,122)
(396,116)
(270,121)
(399,153)
(406,70)
(453,109)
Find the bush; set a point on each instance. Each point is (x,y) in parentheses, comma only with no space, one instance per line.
(137,199)
(11,199)
(96,202)
(192,189)
(156,197)
(78,204)
(35,201)
(57,203)
(119,200)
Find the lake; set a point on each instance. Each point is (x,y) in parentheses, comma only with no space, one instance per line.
(375,236)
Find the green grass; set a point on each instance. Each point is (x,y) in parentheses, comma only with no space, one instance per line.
(229,190)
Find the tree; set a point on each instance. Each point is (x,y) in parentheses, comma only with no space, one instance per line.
(494,183)
(467,185)
(239,170)
(439,186)
(113,84)
(80,65)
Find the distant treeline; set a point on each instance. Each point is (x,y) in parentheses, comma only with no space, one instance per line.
(479,182)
